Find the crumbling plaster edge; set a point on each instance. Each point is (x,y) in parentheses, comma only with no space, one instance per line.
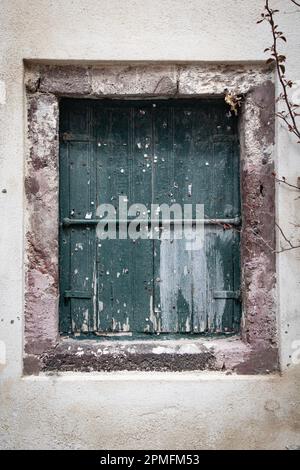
(153,376)
(36,77)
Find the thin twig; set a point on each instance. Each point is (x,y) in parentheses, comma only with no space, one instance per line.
(287,249)
(259,237)
(295,3)
(291,247)
(290,127)
(284,236)
(288,184)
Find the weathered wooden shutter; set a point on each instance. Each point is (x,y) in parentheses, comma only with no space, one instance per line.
(150,152)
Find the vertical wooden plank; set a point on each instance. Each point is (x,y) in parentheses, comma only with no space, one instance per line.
(165,286)
(226,312)
(225,193)
(81,272)
(141,192)
(176,271)
(201,298)
(82,237)
(124,168)
(64,233)
(112,127)
(182,290)
(236,260)
(173,269)
(222,248)
(77,194)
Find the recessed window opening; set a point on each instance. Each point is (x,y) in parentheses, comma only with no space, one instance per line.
(155,154)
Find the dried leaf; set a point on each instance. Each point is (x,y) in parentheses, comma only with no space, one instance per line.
(233,100)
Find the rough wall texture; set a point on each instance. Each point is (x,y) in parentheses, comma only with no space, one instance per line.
(41,188)
(157,410)
(258,234)
(144,79)
(150,411)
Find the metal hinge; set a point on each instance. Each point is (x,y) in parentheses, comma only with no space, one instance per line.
(227,294)
(77,294)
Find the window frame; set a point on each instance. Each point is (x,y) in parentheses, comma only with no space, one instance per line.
(256,349)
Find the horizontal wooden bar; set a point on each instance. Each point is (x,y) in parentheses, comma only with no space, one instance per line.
(234,221)
(77,294)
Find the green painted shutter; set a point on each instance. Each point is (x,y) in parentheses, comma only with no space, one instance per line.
(159,152)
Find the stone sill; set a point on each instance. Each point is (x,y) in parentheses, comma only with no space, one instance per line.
(229,355)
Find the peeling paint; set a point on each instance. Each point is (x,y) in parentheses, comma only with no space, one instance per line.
(191,270)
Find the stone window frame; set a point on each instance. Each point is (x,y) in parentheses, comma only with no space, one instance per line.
(255,350)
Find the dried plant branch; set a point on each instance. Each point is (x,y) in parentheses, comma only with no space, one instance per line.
(291,246)
(290,128)
(289,116)
(283,180)
(278,59)
(284,236)
(287,249)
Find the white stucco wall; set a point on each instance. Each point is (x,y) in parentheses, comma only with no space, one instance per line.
(139,410)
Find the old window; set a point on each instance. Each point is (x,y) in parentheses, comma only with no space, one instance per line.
(148,152)
(108,146)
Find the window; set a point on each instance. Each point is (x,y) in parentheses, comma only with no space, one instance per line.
(148,152)
(198,140)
